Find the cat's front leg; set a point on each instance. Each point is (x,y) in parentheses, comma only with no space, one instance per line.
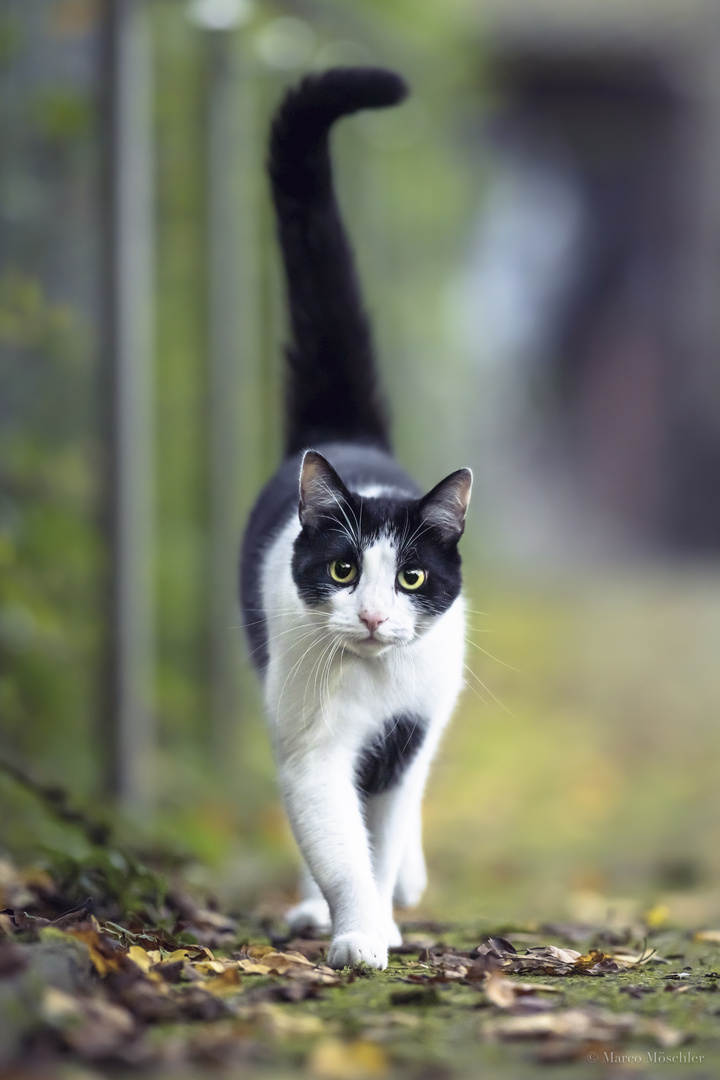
(325,814)
(394,822)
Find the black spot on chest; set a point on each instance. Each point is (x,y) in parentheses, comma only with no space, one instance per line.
(381,764)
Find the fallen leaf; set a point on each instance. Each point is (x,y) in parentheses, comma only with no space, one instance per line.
(357,1060)
(311,950)
(105,953)
(552,952)
(499,990)
(140,957)
(710,936)
(226,984)
(216,967)
(256,952)
(251,967)
(656,916)
(581,1024)
(282,1023)
(90,1025)
(210,928)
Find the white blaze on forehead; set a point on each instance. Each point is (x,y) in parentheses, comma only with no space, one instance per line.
(378,491)
(376,589)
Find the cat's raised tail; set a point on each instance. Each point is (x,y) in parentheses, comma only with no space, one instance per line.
(332,391)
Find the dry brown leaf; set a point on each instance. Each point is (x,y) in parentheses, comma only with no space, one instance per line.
(595,963)
(361,1059)
(319,976)
(280,1022)
(505,993)
(91,1026)
(499,990)
(581,1024)
(310,949)
(627,959)
(552,952)
(712,937)
(280,962)
(209,927)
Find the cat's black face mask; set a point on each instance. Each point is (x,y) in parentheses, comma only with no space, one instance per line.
(382,568)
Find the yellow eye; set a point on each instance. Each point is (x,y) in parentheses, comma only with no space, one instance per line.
(411,579)
(342,572)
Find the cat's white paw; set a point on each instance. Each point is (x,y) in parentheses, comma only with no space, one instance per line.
(394,934)
(354,949)
(310,915)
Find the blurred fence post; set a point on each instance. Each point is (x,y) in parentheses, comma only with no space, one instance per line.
(232,355)
(130,731)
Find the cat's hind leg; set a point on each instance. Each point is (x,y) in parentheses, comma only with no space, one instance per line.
(312,914)
(412,876)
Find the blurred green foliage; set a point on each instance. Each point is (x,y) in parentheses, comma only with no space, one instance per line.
(407,196)
(50,552)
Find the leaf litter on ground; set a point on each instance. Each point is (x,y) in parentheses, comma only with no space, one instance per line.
(201,988)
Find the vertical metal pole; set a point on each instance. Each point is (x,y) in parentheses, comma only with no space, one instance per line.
(223,333)
(131,738)
(233,358)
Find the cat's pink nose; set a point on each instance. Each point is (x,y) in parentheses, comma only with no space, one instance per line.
(372,620)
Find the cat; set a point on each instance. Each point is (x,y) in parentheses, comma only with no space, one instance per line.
(350,577)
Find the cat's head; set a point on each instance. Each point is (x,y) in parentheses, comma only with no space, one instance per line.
(380,568)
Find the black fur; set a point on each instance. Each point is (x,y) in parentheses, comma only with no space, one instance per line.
(331,386)
(333,402)
(382,764)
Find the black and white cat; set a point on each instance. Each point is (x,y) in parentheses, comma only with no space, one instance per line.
(350,577)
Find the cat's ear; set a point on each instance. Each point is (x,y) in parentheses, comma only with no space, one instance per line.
(446,505)
(321,490)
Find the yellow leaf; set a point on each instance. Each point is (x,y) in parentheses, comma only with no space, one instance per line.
(657,916)
(140,957)
(103,959)
(216,967)
(225,984)
(250,967)
(178,954)
(357,1060)
(258,951)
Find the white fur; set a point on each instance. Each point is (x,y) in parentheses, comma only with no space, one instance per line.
(329,689)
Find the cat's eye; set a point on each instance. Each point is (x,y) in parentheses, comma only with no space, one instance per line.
(342,572)
(411,579)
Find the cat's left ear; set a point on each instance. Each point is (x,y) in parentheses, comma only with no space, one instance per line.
(321,490)
(446,505)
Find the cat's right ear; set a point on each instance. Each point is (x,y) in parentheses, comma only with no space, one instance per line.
(322,491)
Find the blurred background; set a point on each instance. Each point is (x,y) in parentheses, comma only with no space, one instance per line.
(538,233)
